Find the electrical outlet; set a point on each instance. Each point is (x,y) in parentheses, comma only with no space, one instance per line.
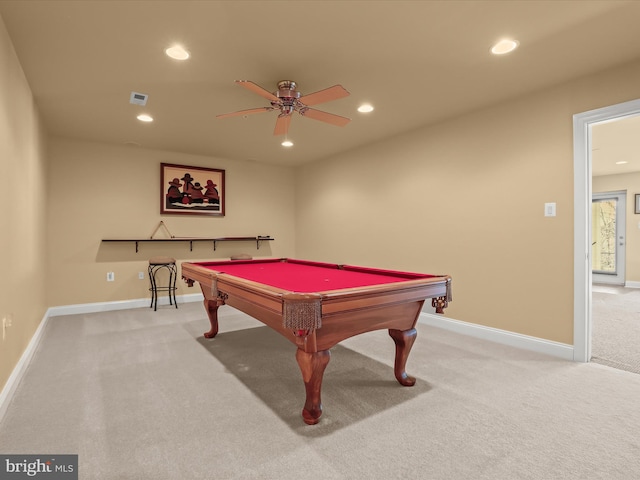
(140,275)
(111,276)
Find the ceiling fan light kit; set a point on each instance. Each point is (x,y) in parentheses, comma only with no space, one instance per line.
(287,100)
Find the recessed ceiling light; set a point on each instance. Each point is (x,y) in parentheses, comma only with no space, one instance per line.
(177,52)
(621,162)
(287,143)
(365,108)
(504,46)
(143,117)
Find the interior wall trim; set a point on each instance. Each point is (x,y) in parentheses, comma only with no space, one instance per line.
(582,191)
(10,387)
(504,337)
(119,305)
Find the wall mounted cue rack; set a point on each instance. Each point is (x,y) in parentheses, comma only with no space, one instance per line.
(257,239)
(215,240)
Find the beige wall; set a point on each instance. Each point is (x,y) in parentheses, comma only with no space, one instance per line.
(466,197)
(99,191)
(22,215)
(630,183)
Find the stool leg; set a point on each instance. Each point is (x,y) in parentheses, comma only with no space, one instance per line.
(155,290)
(153,287)
(172,284)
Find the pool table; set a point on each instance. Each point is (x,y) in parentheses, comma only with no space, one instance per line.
(316,305)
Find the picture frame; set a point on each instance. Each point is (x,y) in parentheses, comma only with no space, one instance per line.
(637,209)
(187,190)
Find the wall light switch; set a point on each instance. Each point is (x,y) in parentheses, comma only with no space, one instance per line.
(110,276)
(6,323)
(550,209)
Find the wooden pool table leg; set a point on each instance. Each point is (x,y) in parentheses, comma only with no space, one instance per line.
(312,366)
(211,307)
(404,341)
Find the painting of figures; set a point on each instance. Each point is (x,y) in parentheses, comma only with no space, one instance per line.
(191,190)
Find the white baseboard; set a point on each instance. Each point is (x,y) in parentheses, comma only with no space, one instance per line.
(548,347)
(120,305)
(632,284)
(18,372)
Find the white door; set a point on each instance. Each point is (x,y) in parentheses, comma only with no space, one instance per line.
(608,229)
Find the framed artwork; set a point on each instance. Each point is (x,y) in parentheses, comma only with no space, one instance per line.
(189,190)
(637,203)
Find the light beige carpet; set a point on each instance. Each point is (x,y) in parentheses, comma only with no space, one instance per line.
(141,395)
(616,327)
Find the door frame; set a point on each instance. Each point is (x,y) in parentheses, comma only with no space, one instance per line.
(621,234)
(582,192)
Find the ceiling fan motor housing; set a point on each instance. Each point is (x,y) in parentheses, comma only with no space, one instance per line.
(288,86)
(287,95)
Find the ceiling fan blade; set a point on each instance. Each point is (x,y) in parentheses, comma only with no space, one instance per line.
(326,117)
(326,95)
(251,111)
(282,124)
(255,88)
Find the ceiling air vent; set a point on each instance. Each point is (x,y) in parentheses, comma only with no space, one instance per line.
(138,98)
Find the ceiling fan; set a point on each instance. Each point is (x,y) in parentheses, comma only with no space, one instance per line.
(288,100)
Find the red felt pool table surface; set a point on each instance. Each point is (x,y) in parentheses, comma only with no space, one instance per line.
(306,276)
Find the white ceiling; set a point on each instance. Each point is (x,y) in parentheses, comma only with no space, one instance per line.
(613,142)
(417,62)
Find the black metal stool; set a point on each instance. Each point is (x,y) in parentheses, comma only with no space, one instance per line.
(156,264)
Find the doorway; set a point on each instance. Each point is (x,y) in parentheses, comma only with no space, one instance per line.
(583,277)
